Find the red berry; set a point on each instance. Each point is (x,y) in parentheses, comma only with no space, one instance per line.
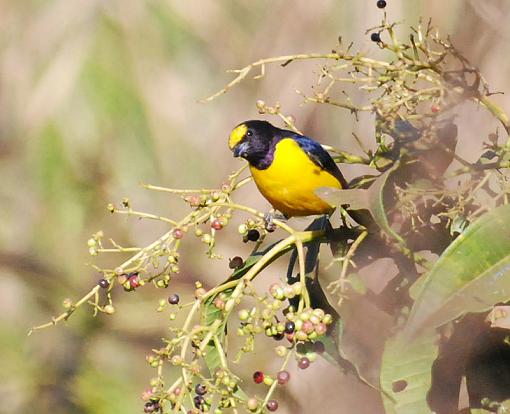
(134,282)
(216,224)
(283,377)
(178,233)
(435,109)
(304,363)
(272,405)
(258,377)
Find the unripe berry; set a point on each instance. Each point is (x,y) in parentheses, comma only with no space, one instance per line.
(321,328)
(178,233)
(268,381)
(244,314)
(307,327)
(252,404)
(242,229)
(281,351)
(109,310)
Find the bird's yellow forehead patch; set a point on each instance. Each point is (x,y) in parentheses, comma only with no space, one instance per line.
(237,135)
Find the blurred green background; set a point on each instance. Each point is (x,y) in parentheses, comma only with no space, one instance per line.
(97,96)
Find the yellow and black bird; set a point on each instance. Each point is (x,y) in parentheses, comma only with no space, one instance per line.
(287,167)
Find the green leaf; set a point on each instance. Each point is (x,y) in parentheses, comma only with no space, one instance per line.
(371,199)
(471,275)
(406,373)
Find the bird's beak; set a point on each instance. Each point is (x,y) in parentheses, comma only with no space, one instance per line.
(241,150)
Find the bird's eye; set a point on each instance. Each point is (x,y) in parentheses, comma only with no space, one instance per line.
(249,133)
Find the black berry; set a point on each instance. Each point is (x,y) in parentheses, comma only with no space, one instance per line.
(253,235)
(258,377)
(279,336)
(173,299)
(272,405)
(103,283)
(381,4)
(200,389)
(235,262)
(198,401)
(290,327)
(375,37)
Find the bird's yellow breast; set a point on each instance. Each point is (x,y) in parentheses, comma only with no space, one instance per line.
(291,179)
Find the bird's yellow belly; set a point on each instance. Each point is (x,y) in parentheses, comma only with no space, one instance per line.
(290,182)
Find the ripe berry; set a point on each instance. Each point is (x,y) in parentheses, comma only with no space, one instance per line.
(103,283)
(375,37)
(235,262)
(258,377)
(198,401)
(173,299)
(279,336)
(149,407)
(200,389)
(290,327)
(216,224)
(304,363)
(272,405)
(381,4)
(178,233)
(253,235)
(283,377)
(134,282)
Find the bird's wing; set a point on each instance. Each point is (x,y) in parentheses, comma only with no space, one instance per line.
(320,157)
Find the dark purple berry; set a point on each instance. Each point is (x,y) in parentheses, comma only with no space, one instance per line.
(381,4)
(198,401)
(200,389)
(319,347)
(235,262)
(272,405)
(283,377)
(173,299)
(149,407)
(258,377)
(279,336)
(375,37)
(103,283)
(304,363)
(290,327)
(253,235)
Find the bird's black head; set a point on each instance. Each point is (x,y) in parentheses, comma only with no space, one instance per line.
(255,142)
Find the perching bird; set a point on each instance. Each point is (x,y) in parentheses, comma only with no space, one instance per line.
(287,167)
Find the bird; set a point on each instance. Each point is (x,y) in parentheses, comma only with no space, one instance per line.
(286,167)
